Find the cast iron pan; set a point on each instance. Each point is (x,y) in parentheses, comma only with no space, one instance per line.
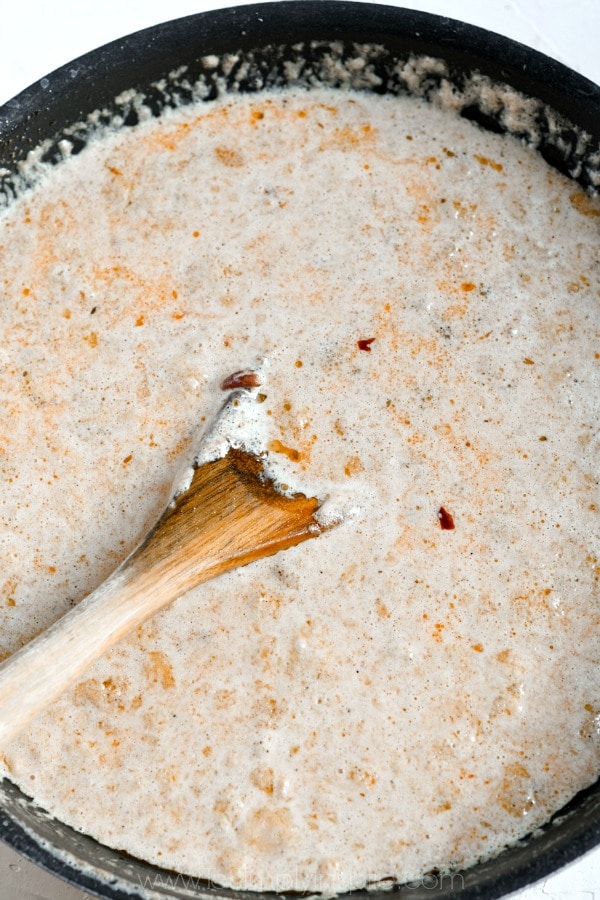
(568,128)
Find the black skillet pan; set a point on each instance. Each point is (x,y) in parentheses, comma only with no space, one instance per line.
(566,128)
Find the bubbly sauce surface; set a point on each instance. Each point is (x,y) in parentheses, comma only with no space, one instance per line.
(419,686)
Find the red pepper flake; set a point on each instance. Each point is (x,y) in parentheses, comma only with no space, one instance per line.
(365,344)
(241,380)
(446,520)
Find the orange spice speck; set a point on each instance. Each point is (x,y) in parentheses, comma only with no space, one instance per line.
(484,161)
(277,447)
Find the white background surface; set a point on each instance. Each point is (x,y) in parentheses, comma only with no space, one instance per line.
(41,35)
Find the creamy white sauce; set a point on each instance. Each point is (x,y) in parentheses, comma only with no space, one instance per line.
(392,696)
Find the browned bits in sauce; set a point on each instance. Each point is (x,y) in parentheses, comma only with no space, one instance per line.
(365,344)
(585,205)
(231,158)
(241,380)
(353,466)
(446,520)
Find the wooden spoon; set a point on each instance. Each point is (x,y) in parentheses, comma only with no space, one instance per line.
(229,516)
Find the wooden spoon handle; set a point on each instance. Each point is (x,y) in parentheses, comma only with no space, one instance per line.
(38,673)
(229,516)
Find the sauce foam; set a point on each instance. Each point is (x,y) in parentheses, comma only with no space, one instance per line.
(397,695)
